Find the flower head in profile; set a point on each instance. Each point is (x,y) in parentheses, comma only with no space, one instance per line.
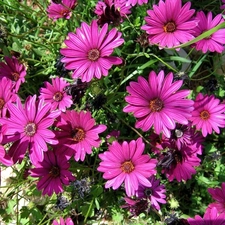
(6,95)
(68,221)
(61,10)
(218,194)
(158,102)
(126,163)
(169,23)
(13,70)
(208,114)
(155,193)
(55,94)
(78,133)
(211,217)
(139,2)
(215,42)
(53,173)
(27,127)
(112,11)
(88,51)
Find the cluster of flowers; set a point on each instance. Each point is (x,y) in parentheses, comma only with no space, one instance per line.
(45,129)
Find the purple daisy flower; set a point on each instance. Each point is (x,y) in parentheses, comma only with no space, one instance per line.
(53,172)
(211,217)
(6,95)
(27,127)
(63,10)
(78,133)
(169,23)
(218,194)
(13,70)
(88,51)
(68,221)
(179,164)
(208,114)
(55,94)
(139,2)
(158,102)
(155,193)
(112,11)
(215,42)
(125,163)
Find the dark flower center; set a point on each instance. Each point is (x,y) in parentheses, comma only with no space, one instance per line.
(127,167)
(148,192)
(54,172)
(58,96)
(93,54)
(64,13)
(30,129)
(15,76)
(169,27)
(2,103)
(156,105)
(204,115)
(178,133)
(78,134)
(171,158)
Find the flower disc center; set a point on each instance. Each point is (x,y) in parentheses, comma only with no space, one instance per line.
(64,13)
(58,96)
(178,133)
(15,76)
(156,105)
(78,134)
(54,172)
(169,27)
(204,115)
(93,54)
(30,129)
(2,103)
(127,167)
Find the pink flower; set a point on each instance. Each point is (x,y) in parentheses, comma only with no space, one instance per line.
(157,102)
(13,70)
(64,10)
(125,163)
(155,193)
(5,159)
(6,95)
(179,164)
(68,221)
(88,51)
(218,194)
(27,127)
(139,2)
(53,173)
(169,23)
(215,42)
(78,133)
(208,114)
(56,95)
(112,11)
(211,217)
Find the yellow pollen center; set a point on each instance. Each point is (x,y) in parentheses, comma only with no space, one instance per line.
(93,54)
(204,115)
(78,134)
(2,103)
(156,105)
(54,172)
(30,129)
(127,167)
(58,96)
(15,76)
(169,27)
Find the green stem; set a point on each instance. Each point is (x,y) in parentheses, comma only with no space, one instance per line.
(89,210)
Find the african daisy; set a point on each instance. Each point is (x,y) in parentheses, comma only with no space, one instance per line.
(68,221)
